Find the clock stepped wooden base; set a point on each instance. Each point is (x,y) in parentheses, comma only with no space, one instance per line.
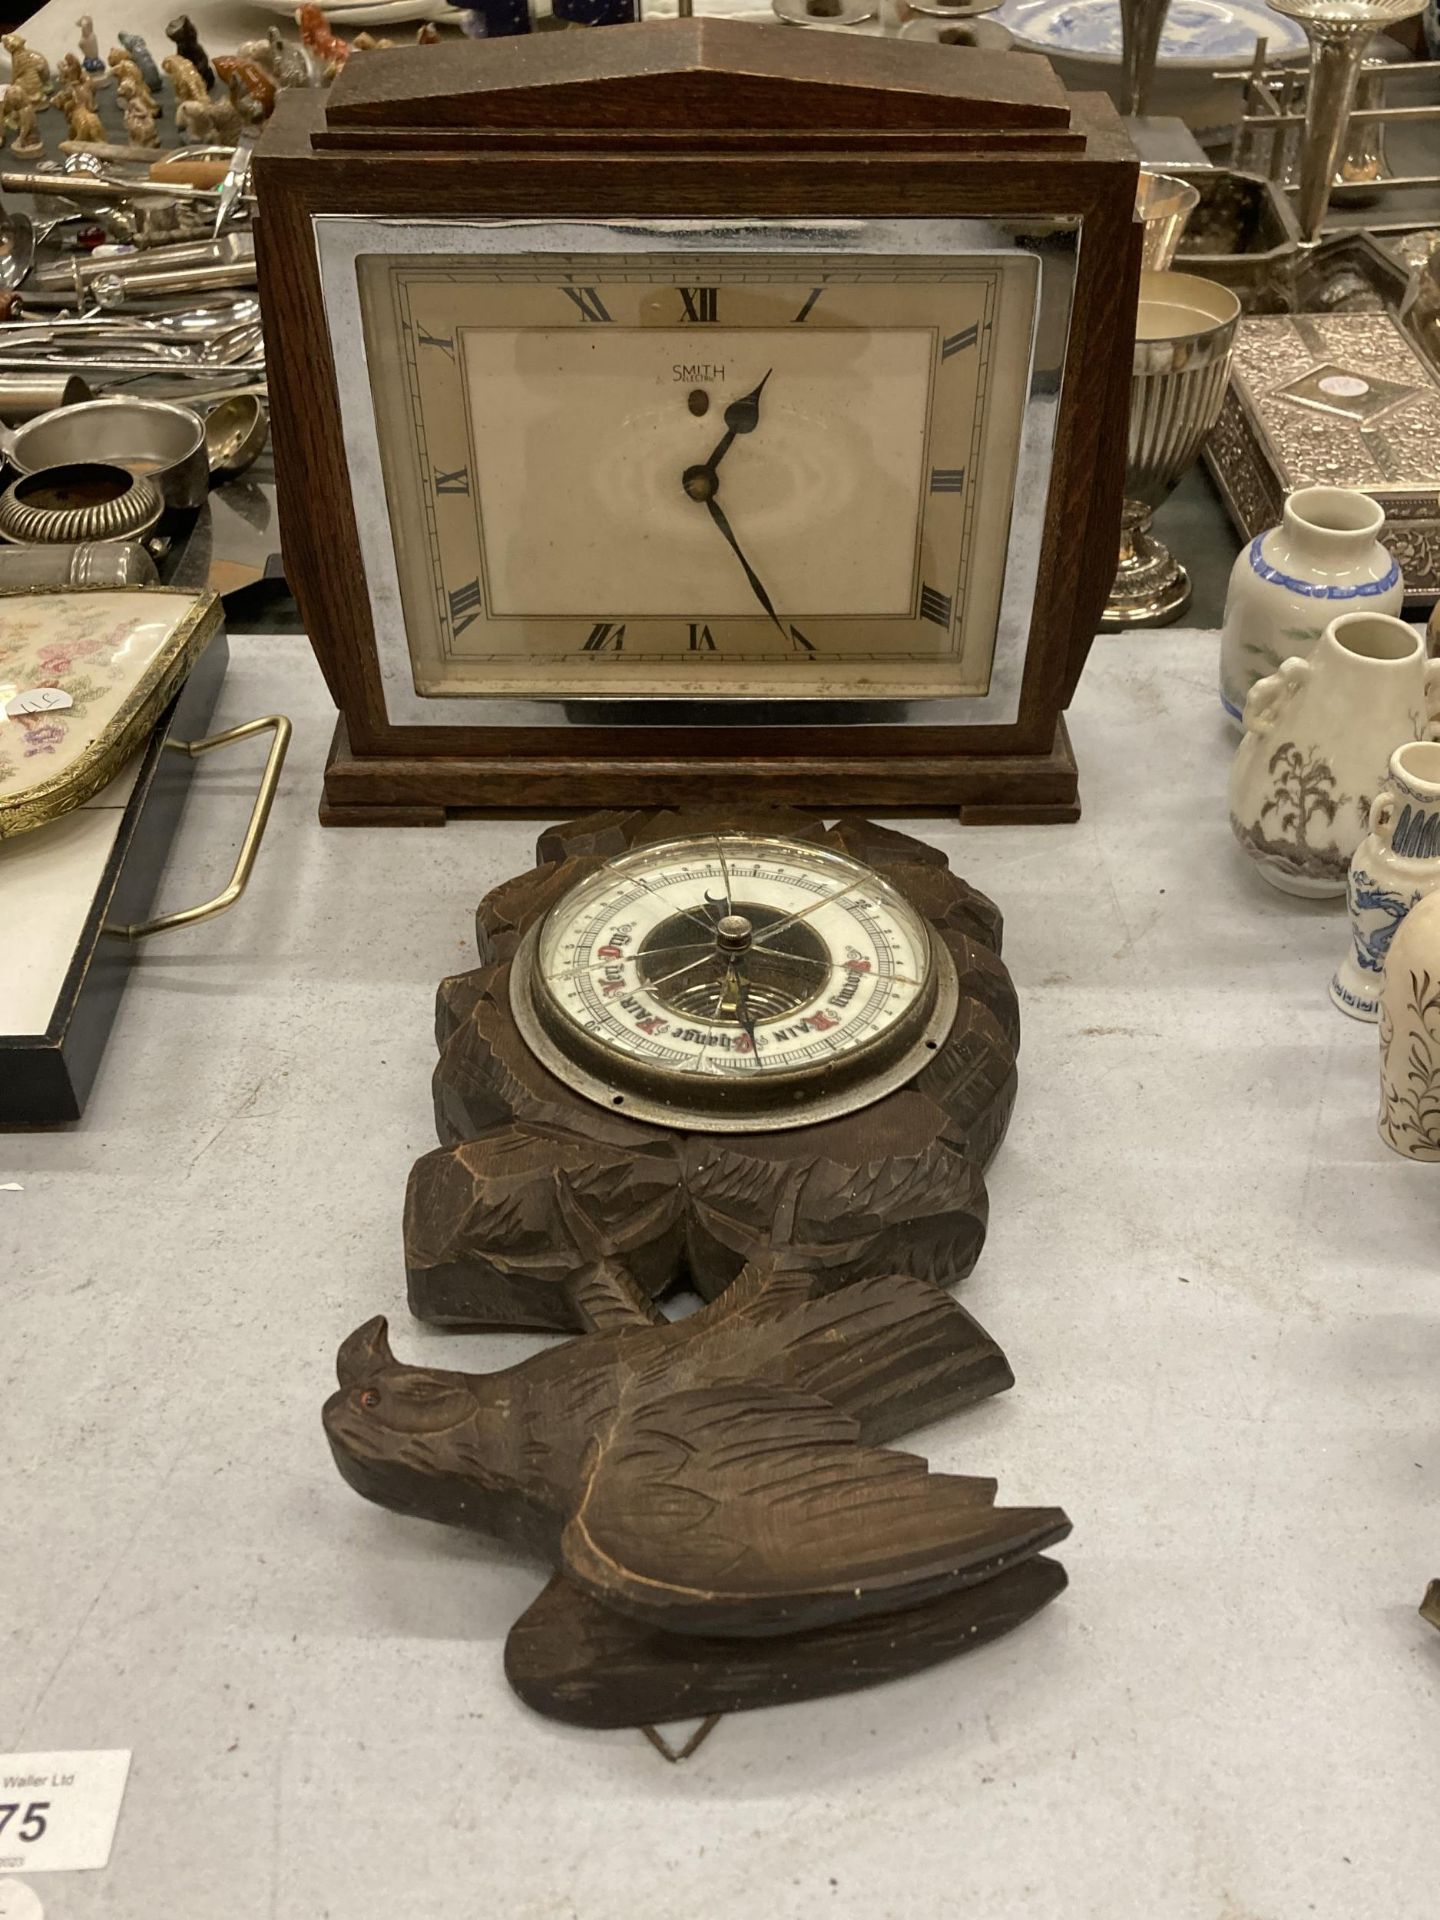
(1005,789)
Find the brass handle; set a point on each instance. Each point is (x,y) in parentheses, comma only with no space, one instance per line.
(277,724)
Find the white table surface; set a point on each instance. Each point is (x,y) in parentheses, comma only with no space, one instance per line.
(1219,1292)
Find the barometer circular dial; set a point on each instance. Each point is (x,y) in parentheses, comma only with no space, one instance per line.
(733,982)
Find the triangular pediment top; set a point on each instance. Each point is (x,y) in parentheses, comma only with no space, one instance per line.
(665,75)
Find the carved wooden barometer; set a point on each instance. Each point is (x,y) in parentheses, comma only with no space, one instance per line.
(698,412)
(762,1061)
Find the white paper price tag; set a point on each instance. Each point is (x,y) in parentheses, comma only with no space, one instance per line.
(39,700)
(58,1810)
(19,1902)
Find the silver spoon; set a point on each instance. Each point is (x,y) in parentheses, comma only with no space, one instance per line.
(235,432)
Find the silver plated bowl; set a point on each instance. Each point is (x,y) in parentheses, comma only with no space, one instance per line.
(152,438)
(82,501)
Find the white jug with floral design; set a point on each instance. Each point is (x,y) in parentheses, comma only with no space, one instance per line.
(1318,739)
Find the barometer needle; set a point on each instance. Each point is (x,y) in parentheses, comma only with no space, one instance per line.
(736,984)
(725,876)
(596,966)
(665,978)
(778,926)
(700,919)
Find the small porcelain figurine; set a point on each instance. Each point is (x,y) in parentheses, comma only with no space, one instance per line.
(287,62)
(143,58)
(1324,559)
(90,50)
(367,43)
(196,121)
(427,35)
(139,120)
(29,70)
(1410,1036)
(1395,865)
(185,79)
(128,74)
(1318,739)
(326,49)
(18,108)
(187,44)
(85,123)
(251,88)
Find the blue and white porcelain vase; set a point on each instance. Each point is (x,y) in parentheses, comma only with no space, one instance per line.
(1324,559)
(1394,867)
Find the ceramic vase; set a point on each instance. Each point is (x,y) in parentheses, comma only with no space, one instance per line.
(1318,739)
(1410,1036)
(1324,559)
(1395,865)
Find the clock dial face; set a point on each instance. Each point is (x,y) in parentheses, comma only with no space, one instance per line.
(699,473)
(733,979)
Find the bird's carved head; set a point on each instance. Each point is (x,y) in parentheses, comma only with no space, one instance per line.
(419,1440)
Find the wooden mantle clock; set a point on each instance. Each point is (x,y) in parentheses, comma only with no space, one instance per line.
(697,411)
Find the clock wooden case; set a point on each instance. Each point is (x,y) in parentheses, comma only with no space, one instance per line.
(523,299)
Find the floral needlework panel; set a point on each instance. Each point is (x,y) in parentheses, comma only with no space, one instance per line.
(78,673)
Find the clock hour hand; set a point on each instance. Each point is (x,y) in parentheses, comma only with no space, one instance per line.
(741,416)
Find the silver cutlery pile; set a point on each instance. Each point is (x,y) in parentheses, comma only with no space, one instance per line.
(170,298)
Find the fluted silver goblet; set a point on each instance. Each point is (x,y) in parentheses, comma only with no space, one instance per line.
(1185,330)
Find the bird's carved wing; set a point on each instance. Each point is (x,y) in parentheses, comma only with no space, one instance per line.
(747,1509)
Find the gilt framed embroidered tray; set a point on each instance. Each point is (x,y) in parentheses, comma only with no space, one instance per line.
(84,675)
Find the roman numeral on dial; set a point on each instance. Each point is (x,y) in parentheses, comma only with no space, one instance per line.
(465,606)
(591,306)
(957,342)
(701,303)
(701,639)
(947,480)
(936,606)
(606,634)
(799,642)
(804,313)
(445,341)
(457,482)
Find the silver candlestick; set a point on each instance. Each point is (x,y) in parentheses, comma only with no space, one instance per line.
(1141,24)
(1339,32)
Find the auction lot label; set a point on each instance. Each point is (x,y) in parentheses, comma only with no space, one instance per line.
(58,1810)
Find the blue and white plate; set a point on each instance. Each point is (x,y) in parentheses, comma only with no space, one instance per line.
(1198,33)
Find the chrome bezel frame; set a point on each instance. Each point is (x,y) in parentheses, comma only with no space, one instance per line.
(340,239)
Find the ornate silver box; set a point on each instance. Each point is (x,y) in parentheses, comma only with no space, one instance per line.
(1340,400)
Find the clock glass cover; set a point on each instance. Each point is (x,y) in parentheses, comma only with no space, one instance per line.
(733,981)
(702,473)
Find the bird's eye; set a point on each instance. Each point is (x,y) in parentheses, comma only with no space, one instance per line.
(369,1399)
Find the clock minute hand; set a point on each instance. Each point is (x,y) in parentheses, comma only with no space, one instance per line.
(717,514)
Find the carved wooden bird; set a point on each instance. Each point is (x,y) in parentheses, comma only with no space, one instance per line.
(717,1475)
